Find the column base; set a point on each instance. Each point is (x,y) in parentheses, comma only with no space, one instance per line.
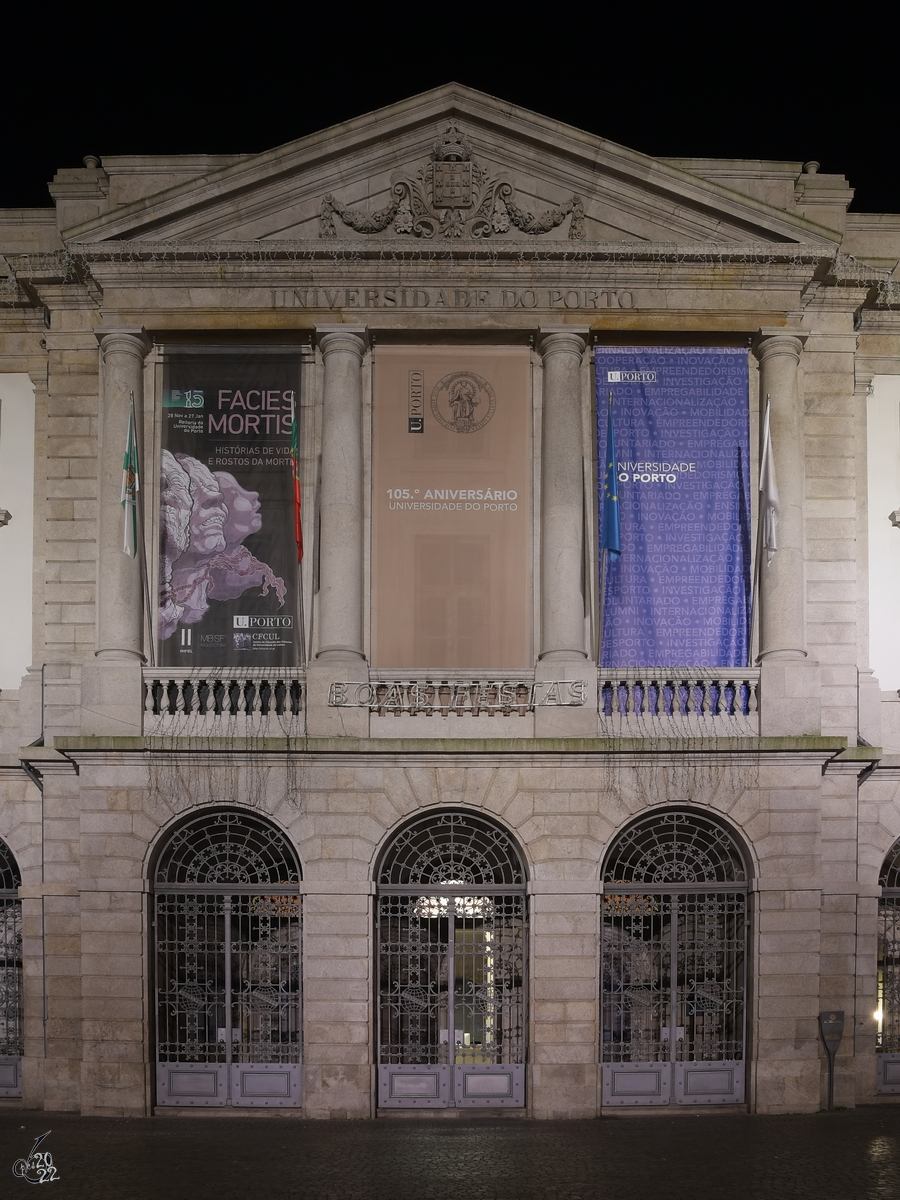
(112,698)
(551,720)
(869,707)
(790,698)
(30,707)
(323,720)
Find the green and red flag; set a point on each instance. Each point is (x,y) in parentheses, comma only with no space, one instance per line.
(130,486)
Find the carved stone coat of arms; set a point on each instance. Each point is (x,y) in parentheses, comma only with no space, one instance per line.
(451,196)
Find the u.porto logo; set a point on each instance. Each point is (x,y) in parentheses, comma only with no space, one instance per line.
(463,402)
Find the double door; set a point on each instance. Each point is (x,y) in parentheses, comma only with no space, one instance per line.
(887,1013)
(11,1033)
(451,1008)
(673,995)
(227,998)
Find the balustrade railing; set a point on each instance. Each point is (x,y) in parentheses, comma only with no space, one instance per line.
(635,702)
(679,702)
(216,701)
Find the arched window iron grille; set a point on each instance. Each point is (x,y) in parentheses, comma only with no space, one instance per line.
(675,847)
(227,849)
(452,849)
(890,872)
(887,1013)
(10,876)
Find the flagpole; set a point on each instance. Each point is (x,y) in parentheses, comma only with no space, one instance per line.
(604,552)
(757,565)
(295,466)
(145,574)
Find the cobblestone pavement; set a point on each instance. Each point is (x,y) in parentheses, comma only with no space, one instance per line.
(836,1156)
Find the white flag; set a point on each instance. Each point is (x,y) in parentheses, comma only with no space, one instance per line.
(768,491)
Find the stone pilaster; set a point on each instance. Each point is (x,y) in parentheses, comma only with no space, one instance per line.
(339,618)
(789,686)
(562,630)
(112,691)
(564,1074)
(338,953)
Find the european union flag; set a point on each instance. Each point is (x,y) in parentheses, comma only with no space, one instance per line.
(610,534)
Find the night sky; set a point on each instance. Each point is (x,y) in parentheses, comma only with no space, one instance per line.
(666,84)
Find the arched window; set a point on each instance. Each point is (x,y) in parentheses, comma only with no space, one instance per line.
(227,931)
(887,1013)
(11,1036)
(675,847)
(674,962)
(227,848)
(450,849)
(452,936)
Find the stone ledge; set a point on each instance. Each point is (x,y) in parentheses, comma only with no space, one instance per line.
(827,746)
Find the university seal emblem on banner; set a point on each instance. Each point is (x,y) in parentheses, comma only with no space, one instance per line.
(463,402)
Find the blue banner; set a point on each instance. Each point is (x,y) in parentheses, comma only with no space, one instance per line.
(678,594)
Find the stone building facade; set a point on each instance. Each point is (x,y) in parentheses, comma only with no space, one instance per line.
(366,880)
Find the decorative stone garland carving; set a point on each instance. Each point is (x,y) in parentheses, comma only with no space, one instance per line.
(435,203)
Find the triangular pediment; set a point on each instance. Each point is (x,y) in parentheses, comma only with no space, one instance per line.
(452,164)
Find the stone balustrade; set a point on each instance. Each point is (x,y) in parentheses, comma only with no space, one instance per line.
(214,702)
(679,702)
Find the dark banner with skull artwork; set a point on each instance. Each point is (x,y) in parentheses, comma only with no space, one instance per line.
(228,572)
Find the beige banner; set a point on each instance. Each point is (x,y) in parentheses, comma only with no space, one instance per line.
(452,501)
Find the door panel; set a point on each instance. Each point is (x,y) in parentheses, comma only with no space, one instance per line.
(203,1085)
(265,1085)
(10,1075)
(888,1073)
(406,1086)
(636,1083)
(709,1083)
(489,1085)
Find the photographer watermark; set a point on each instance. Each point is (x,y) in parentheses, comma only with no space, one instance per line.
(38,1166)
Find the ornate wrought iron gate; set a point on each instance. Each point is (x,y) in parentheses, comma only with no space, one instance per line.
(10,975)
(674,964)
(451,964)
(888,1010)
(227,932)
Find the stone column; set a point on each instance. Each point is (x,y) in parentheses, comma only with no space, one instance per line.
(562,638)
(339,619)
(341,495)
(112,691)
(789,688)
(120,609)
